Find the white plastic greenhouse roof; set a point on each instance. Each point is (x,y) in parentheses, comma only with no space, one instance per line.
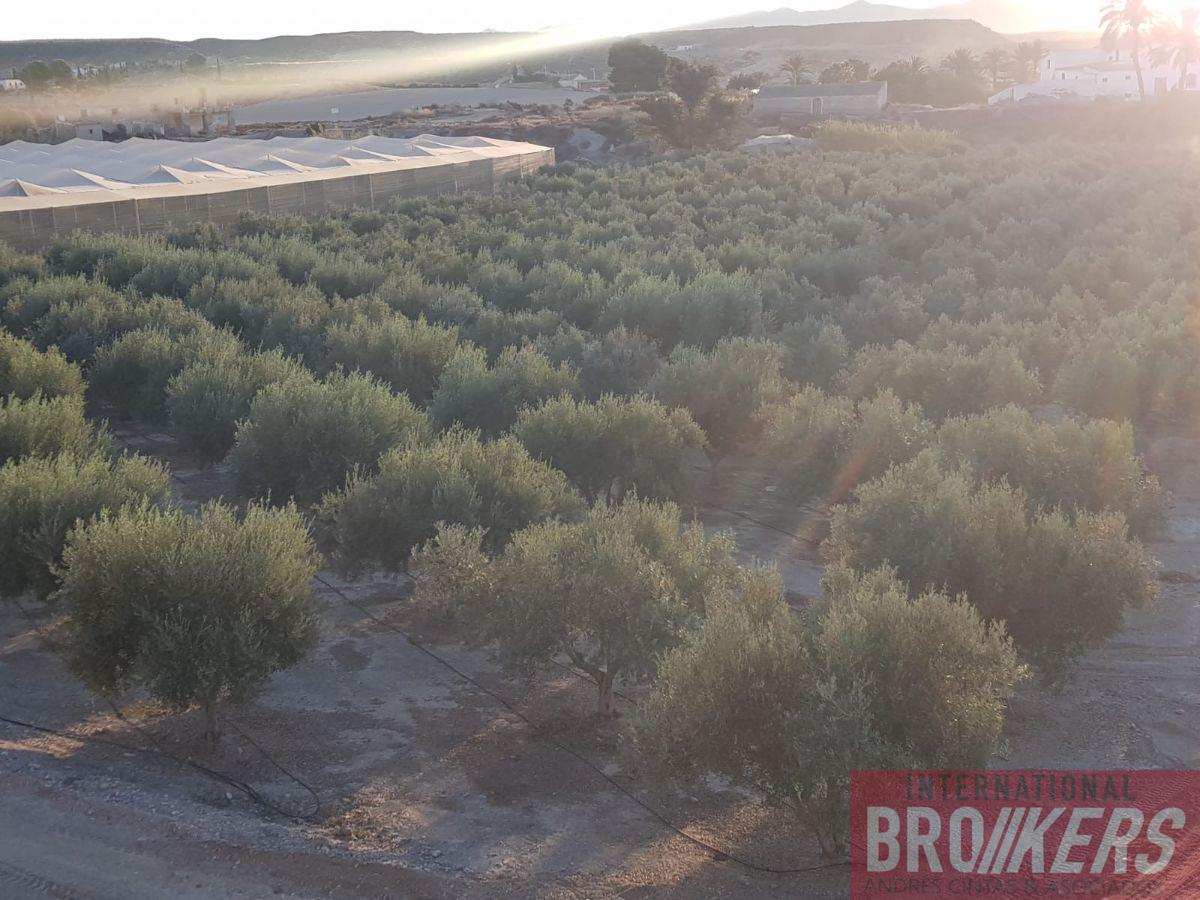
(81,166)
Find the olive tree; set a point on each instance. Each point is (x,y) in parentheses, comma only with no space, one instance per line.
(42,497)
(133,373)
(792,706)
(206,400)
(824,445)
(495,486)
(1061,586)
(25,370)
(302,438)
(724,389)
(1089,466)
(805,440)
(407,354)
(452,571)
(611,592)
(38,427)
(613,446)
(196,609)
(489,398)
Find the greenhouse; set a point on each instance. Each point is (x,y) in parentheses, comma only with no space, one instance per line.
(144,186)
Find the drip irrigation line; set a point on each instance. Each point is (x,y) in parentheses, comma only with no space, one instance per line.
(661,817)
(228,780)
(237,784)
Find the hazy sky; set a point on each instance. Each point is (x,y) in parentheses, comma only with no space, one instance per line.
(241,19)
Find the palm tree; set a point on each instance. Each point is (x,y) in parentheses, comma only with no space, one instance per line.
(916,65)
(1028,57)
(995,63)
(962,64)
(1178,44)
(797,68)
(1125,21)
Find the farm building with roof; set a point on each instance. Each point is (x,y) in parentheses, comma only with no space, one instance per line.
(865,98)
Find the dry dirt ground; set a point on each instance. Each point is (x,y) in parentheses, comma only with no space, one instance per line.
(437,775)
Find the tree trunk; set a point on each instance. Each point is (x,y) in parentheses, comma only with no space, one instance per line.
(605,701)
(1137,68)
(212,730)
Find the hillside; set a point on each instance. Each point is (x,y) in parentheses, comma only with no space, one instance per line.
(998,15)
(347,46)
(97,52)
(366,56)
(764,48)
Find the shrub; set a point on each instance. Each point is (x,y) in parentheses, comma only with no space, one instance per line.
(26,371)
(195,609)
(842,135)
(459,479)
(792,709)
(14,265)
(887,431)
(622,362)
(409,355)
(1091,466)
(613,446)
(723,390)
(80,317)
(490,398)
(496,331)
(1061,588)
(112,257)
(882,311)
(649,305)
(1100,380)
(38,427)
(133,374)
(805,439)
(718,307)
(946,382)
(173,272)
(346,276)
(815,352)
(611,592)
(451,572)
(303,438)
(41,498)
(74,314)
(206,400)
(824,446)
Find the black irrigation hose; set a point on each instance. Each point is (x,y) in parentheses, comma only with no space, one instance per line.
(250,792)
(221,777)
(287,773)
(187,762)
(812,542)
(243,786)
(716,852)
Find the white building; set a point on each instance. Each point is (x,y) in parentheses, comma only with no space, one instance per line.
(11,84)
(1097,73)
(576,82)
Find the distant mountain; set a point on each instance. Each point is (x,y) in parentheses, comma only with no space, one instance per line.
(284,48)
(733,47)
(999,15)
(763,49)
